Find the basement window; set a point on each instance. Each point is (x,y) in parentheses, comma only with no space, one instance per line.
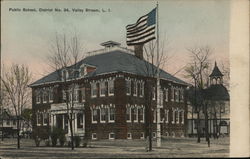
(112,135)
(129,136)
(94,137)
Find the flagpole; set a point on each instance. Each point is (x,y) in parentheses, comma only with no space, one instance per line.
(158,141)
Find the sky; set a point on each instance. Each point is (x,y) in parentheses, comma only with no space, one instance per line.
(27,36)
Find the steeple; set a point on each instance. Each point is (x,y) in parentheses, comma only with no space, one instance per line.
(216,77)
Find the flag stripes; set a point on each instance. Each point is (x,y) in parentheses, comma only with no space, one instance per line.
(143,30)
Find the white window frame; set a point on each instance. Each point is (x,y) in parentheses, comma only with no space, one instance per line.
(83,92)
(93,89)
(143,112)
(128,108)
(129,135)
(155,115)
(51,95)
(38,97)
(154,135)
(135,89)
(173,116)
(183,117)
(37,119)
(103,121)
(44,114)
(161,118)
(166,115)
(166,94)
(111,84)
(172,93)
(178,116)
(92,136)
(153,93)
(64,95)
(111,138)
(102,86)
(161,98)
(128,87)
(45,93)
(142,135)
(76,95)
(176,95)
(135,114)
(142,89)
(92,115)
(109,120)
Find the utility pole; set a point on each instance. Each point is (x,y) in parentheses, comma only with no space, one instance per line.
(158,135)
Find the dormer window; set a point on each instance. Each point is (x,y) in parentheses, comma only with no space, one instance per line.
(83,70)
(65,74)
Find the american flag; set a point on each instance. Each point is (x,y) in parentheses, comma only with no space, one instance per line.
(143,30)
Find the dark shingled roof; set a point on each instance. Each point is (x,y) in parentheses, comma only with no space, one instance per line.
(217,92)
(114,61)
(216,71)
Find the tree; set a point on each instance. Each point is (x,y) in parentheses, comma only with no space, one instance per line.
(64,55)
(15,83)
(152,63)
(197,71)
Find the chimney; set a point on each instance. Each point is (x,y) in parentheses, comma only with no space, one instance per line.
(110,44)
(139,51)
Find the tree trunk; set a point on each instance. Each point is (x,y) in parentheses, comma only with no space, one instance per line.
(18,131)
(71,131)
(198,127)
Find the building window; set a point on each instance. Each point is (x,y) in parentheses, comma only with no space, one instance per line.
(111,114)
(94,137)
(94,115)
(141,89)
(161,98)
(142,135)
(76,95)
(45,96)
(103,89)
(64,75)
(129,136)
(161,115)
(166,95)
(111,87)
(79,120)
(83,94)
(128,87)
(154,115)
(103,115)
(153,93)
(93,90)
(176,95)
(141,114)
(39,117)
(166,115)
(135,88)
(173,115)
(51,95)
(177,116)
(64,94)
(38,97)
(128,114)
(154,135)
(45,118)
(172,93)
(14,122)
(183,116)
(8,122)
(112,135)
(135,114)
(83,70)
(182,95)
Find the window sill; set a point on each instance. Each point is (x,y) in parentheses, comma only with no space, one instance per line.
(128,94)
(102,121)
(102,95)
(111,121)
(111,94)
(128,121)
(93,96)
(94,122)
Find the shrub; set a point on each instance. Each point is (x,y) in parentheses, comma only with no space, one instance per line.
(39,134)
(77,140)
(62,139)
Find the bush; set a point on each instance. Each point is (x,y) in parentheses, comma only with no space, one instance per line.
(77,141)
(40,134)
(62,139)
(57,134)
